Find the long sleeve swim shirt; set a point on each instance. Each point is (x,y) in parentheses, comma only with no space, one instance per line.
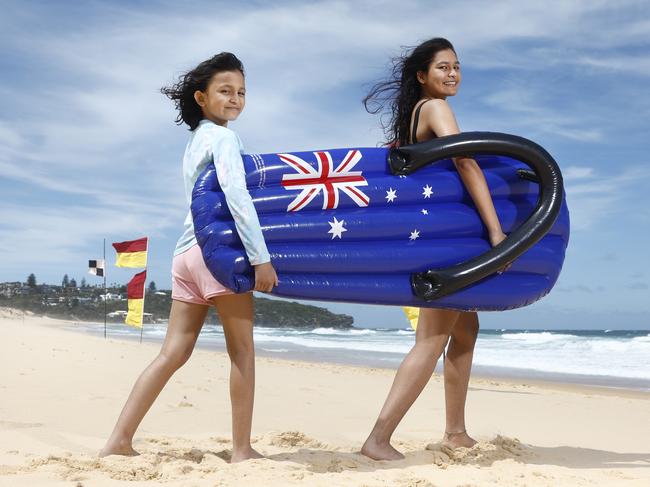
(213,144)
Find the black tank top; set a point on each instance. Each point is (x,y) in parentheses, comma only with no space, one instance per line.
(416,118)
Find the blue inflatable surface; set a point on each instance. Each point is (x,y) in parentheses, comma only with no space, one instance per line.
(340,226)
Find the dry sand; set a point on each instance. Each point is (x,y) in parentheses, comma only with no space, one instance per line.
(61,391)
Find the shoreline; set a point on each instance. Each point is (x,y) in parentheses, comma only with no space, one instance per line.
(348,358)
(628,387)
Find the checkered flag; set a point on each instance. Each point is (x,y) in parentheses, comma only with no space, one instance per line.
(96,267)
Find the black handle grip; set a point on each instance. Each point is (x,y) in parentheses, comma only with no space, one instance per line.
(436,283)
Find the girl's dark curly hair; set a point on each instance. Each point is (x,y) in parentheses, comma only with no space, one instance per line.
(401,91)
(182,92)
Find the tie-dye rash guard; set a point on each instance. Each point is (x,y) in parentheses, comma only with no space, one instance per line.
(211,143)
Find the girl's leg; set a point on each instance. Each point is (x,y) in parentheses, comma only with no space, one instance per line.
(434,327)
(236,315)
(458,365)
(185,322)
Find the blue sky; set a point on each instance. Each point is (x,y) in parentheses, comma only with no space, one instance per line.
(89,150)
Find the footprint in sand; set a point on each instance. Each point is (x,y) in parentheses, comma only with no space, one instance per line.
(292,439)
(483,453)
(14,425)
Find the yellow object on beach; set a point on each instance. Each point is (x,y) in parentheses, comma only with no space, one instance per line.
(412,314)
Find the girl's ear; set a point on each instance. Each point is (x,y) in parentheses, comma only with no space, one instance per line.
(199,98)
(421,76)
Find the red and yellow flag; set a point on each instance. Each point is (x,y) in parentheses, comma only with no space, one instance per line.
(135,295)
(132,253)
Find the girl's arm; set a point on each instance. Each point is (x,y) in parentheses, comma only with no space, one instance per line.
(438,116)
(232,178)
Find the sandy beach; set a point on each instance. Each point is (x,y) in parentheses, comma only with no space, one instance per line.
(61,391)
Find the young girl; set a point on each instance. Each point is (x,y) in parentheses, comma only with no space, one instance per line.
(417,97)
(207,98)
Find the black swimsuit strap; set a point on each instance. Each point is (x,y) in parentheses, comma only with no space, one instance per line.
(414,139)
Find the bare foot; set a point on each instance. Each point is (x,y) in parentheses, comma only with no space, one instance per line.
(246,454)
(122,447)
(458,440)
(380,451)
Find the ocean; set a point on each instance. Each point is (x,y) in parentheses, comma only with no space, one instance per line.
(607,358)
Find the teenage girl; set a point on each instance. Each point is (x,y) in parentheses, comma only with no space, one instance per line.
(207,98)
(417,98)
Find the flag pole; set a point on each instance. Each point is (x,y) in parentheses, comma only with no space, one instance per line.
(144,290)
(105,266)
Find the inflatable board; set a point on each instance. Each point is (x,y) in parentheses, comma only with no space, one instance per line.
(395,226)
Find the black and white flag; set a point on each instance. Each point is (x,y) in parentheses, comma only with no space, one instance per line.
(96,267)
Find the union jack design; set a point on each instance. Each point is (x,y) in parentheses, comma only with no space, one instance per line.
(326,179)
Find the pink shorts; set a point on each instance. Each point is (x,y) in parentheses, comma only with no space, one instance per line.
(191,279)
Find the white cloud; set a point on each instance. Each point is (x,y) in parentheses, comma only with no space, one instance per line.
(301,49)
(57,237)
(528,109)
(593,197)
(571,173)
(9,137)
(621,63)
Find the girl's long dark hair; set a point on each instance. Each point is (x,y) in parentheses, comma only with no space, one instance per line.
(182,92)
(397,95)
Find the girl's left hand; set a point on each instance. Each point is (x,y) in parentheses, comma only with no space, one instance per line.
(265,277)
(495,239)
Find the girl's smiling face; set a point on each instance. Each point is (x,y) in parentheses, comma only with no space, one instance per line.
(224,97)
(442,79)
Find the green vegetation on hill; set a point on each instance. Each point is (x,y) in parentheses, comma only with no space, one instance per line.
(87,304)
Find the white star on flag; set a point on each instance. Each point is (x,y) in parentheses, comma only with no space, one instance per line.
(425,211)
(391,194)
(337,228)
(414,234)
(428,191)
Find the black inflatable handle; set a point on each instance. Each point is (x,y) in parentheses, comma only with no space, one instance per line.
(436,283)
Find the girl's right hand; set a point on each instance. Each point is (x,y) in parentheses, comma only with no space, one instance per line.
(265,277)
